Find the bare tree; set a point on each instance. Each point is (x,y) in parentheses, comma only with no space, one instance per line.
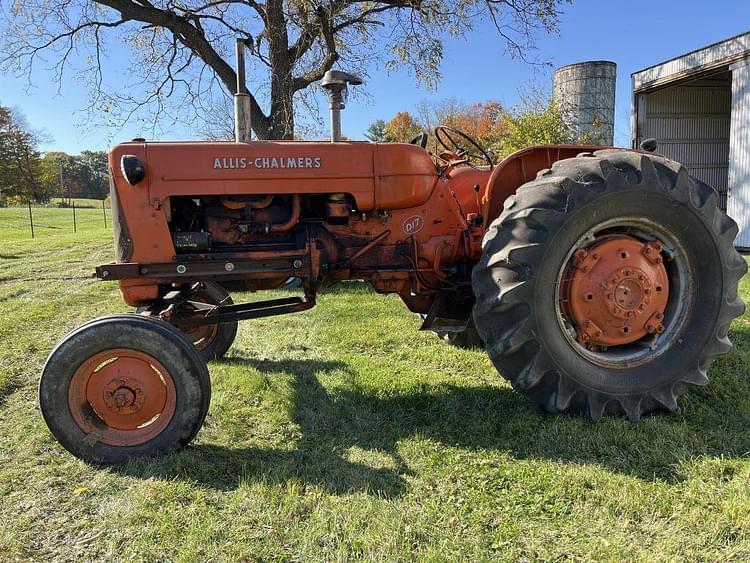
(181,49)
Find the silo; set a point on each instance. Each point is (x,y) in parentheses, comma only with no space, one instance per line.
(585,94)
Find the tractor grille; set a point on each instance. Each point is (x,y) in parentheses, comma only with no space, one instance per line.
(123,243)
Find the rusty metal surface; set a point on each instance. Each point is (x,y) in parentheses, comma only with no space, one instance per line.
(617,291)
(123,397)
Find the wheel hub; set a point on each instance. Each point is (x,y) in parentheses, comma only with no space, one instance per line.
(122,396)
(616,291)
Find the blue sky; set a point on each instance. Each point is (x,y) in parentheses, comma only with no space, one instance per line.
(635,34)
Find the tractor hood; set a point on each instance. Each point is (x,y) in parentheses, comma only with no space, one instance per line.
(379,176)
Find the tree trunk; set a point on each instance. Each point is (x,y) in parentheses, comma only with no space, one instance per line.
(282,114)
(281,117)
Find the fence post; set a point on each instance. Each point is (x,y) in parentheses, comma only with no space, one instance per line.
(75,230)
(104,212)
(31,220)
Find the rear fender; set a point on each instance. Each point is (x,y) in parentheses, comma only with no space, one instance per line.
(521,167)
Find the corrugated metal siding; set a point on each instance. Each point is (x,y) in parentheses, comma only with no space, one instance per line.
(712,56)
(691,125)
(739,154)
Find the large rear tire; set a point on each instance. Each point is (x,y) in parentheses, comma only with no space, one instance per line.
(653,322)
(124,386)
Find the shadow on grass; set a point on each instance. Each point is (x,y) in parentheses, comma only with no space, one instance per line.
(495,421)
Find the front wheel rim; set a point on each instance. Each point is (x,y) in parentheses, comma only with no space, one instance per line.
(122,397)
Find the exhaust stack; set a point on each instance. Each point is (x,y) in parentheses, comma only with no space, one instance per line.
(242,121)
(335,84)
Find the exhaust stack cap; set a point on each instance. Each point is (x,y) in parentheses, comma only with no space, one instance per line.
(335,83)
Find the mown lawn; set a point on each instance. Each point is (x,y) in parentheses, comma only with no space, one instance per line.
(343,433)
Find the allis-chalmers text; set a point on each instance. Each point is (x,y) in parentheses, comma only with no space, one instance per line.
(267,162)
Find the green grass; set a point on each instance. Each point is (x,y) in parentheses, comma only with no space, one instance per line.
(343,433)
(51,223)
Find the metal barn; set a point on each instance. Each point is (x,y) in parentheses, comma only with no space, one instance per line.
(697,106)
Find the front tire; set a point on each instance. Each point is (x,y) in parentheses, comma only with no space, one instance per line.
(601,341)
(122,387)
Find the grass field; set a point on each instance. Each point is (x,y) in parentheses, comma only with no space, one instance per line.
(343,433)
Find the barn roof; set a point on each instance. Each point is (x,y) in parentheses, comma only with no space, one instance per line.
(716,56)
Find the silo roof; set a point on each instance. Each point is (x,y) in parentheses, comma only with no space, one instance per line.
(706,58)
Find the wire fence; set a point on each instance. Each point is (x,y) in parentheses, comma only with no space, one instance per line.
(79,216)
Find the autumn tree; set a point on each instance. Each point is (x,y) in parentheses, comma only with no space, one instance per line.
(535,121)
(402,128)
(479,120)
(181,52)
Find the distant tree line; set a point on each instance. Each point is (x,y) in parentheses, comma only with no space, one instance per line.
(535,121)
(27,174)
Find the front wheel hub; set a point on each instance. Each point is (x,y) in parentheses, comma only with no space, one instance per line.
(616,291)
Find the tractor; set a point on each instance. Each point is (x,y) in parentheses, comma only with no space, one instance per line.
(600,281)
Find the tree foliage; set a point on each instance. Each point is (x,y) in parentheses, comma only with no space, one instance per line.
(536,121)
(534,124)
(181,52)
(19,158)
(75,176)
(26,174)
(376,131)
(401,128)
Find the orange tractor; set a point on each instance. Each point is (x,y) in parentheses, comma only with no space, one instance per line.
(600,282)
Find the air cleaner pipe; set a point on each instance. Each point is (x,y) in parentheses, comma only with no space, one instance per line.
(242,119)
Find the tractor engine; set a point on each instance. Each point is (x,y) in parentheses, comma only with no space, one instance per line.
(226,224)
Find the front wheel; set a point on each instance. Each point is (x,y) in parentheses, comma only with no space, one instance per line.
(124,386)
(608,285)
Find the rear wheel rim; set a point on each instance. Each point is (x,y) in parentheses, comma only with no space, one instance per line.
(122,397)
(661,315)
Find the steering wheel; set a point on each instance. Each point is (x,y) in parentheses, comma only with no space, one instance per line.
(465,147)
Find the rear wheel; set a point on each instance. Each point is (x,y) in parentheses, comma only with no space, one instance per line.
(124,386)
(608,285)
